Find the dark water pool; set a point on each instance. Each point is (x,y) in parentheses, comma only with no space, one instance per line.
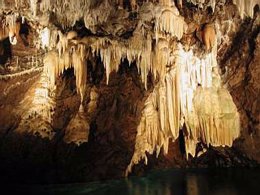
(168,182)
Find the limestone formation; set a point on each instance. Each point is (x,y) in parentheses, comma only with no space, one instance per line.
(10,27)
(209,36)
(156,65)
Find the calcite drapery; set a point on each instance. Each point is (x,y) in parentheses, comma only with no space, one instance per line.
(10,27)
(192,95)
(189,91)
(246,8)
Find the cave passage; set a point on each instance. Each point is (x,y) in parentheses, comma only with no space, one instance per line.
(94,90)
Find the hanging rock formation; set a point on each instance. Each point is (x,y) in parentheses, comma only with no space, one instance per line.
(129,78)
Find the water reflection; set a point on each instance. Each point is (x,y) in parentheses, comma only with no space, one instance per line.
(170,182)
(192,185)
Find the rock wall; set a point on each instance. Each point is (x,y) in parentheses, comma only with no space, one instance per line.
(78,118)
(240,64)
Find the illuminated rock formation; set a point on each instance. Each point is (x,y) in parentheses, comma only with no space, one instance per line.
(192,95)
(77,131)
(125,73)
(246,8)
(209,36)
(10,27)
(188,93)
(40,111)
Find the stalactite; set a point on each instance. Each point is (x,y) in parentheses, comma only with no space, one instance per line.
(62,44)
(169,21)
(97,15)
(166,2)
(105,55)
(189,95)
(120,3)
(10,28)
(160,58)
(54,37)
(179,3)
(45,35)
(209,36)
(55,64)
(33,5)
(246,8)
(160,120)
(133,4)
(71,35)
(51,67)
(77,131)
(2,3)
(45,5)
(80,70)
(202,3)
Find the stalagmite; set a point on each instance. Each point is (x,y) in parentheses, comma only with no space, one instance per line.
(77,131)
